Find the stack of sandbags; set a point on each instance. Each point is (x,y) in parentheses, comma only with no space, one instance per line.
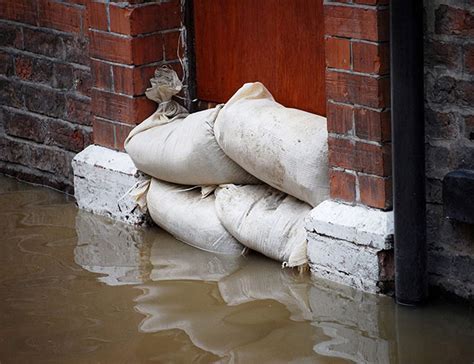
(251,140)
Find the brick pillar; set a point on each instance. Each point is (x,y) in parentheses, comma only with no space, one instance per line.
(128,40)
(358,93)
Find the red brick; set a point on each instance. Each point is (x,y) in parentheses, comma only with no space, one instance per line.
(11,36)
(372,125)
(132,80)
(56,15)
(121,133)
(375,191)
(144,19)
(338,53)
(342,185)
(371,58)
(23,11)
(453,21)
(110,47)
(65,135)
(358,89)
(339,118)
(147,49)
(130,110)
(469,58)
(359,156)
(24,125)
(171,41)
(104,133)
(101,75)
(361,23)
(126,50)
(97,15)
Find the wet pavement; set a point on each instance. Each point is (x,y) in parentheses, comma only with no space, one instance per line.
(79,288)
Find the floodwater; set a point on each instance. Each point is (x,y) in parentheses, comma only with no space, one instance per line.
(78,288)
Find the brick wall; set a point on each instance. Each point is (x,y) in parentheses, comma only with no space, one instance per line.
(127,42)
(358,109)
(449,123)
(44,89)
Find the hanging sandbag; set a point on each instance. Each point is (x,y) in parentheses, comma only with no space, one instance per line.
(178,147)
(286,148)
(189,217)
(265,220)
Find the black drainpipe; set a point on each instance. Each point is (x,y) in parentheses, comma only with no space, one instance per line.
(408,150)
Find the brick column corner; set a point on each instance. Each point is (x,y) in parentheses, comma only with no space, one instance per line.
(358,101)
(128,41)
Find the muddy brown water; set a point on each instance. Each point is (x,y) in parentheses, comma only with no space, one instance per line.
(79,288)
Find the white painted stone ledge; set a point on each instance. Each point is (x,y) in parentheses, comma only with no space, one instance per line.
(102,178)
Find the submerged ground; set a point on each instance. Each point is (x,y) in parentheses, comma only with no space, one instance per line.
(78,288)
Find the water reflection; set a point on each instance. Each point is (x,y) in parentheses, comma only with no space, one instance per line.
(143,296)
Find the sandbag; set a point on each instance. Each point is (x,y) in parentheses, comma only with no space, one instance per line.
(174,146)
(265,220)
(286,148)
(189,217)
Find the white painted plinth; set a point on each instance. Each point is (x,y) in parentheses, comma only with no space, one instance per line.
(102,178)
(344,242)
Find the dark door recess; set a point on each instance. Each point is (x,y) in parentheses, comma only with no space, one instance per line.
(277,42)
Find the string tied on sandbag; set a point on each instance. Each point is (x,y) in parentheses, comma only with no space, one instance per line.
(164,85)
(138,192)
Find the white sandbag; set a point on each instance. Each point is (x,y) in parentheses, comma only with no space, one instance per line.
(183,212)
(286,148)
(174,146)
(265,220)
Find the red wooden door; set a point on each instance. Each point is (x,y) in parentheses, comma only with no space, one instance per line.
(277,42)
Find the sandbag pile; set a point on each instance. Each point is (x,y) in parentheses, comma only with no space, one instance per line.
(243,175)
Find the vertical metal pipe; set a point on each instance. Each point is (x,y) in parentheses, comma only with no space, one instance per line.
(408,153)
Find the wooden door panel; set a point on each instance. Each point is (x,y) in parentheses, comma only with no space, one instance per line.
(277,42)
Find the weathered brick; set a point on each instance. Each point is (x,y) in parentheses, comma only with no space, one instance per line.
(101,75)
(469,127)
(130,110)
(145,19)
(353,22)
(6,64)
(132,80)
(358,89)
(78,109)
(454,21)
(82,81)
(77,49)
(342,185)
(375,191)
(97,15)
(62,76)
(104,132)
(24,125)
(371,58)
(11,36)
(23,11)
(339,118)
(469,58)
(11,93)
(44,100)
(338,53)
(65,135)
(372,125)
(58,15)
(34,69)
(41,42)
(441,54)
(111,47)
(359,156)
(440,125)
